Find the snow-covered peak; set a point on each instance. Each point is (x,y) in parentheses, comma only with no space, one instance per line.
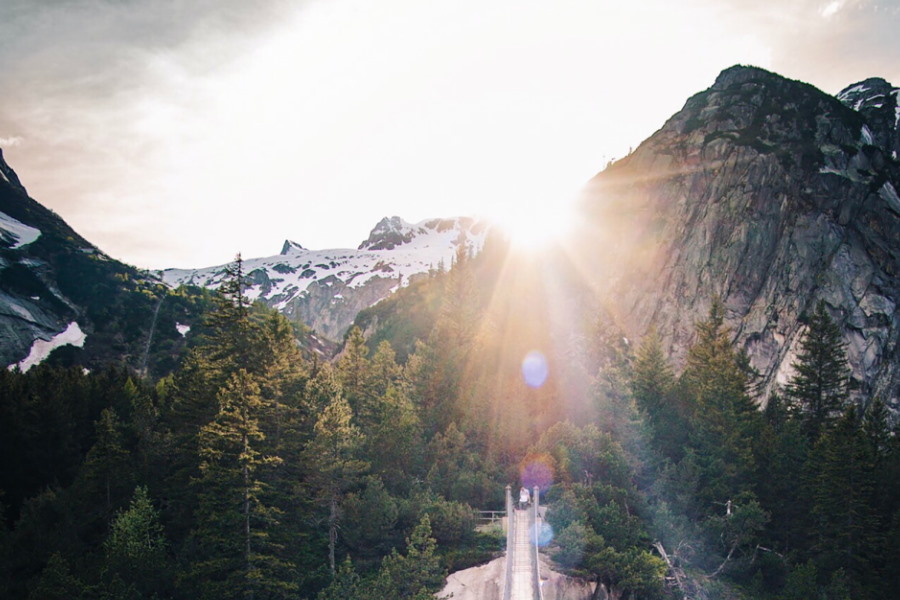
(388,234)
(291,247)
(879,104)
(394,253)
(393,232)
(870,93)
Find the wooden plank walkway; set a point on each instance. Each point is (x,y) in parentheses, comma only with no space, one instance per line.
(523,558)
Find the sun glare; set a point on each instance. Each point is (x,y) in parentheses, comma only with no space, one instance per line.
(534,226)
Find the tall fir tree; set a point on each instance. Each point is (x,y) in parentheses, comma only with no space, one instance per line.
(848,532)
(415,575)
(353,373)
(652,385)
(333,457)
(819,388)
(715,387)
(236,558)
(136,551)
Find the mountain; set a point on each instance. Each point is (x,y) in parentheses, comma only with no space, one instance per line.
(61,295)
(771,195)
(326,289)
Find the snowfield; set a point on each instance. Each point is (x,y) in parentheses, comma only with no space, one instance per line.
(41,349)
(16,233)
(395,250)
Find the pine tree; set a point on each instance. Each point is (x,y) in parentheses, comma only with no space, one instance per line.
(394,441)
(233,518)
(231,341)
(415,575)
(56,581)
(345,585)
(335,466)
(715,386)
(847,527)
(106,477)
(136,547)
(652,385)
(353,374)
(819,388)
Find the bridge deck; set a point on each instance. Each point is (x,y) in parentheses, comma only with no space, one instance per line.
(522,558)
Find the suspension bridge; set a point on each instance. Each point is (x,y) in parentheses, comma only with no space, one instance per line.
(523,576)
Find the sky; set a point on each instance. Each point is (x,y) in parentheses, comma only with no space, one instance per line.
(175,133)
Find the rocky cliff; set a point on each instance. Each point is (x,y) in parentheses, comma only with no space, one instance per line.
(63,299)
(771,195)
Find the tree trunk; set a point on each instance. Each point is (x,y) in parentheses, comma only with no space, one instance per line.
(597,590)
(332,533)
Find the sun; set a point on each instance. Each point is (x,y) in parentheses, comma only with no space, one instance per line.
(534,225)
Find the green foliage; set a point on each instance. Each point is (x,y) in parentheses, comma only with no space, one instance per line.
(415,575)
(345,585)
(57,582)
(268,471)
(819,388)
(136,548)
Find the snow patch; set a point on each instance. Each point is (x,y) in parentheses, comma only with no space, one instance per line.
(16,232)
(41,349)
(867,135)
(182,329)
(889,195)
(833,171)
(896,108)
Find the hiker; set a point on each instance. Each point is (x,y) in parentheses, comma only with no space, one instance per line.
(524,497)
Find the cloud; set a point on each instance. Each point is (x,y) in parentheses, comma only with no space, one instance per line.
(832,8)
(143,122)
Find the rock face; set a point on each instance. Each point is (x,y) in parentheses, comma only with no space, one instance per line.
(59,294)
(771,195)
(326,289)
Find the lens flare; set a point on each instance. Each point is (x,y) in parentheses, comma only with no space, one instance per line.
(541,534)
(536,471)
(535,369)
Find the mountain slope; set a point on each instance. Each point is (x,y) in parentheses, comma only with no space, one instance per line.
(772,195)
(326,289)
(60,294)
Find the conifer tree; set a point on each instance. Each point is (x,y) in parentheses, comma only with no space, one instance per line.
(233,517)
(847,526)
(57,582)
(415,575)
(652,385)
(394,441)
(136,547)
(345,585)
(335,466)
(715,385)
(353,374)
(819,388)
(106,473)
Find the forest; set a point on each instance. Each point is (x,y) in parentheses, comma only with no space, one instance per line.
(257,469)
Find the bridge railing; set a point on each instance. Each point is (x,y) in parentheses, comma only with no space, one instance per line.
(488,517)
(536,532)
(510,537)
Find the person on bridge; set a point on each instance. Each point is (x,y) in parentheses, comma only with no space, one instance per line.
(524,497)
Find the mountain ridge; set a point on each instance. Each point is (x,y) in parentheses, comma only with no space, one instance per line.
(771,195)
(326,289)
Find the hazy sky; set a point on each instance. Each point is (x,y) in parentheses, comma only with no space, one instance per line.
(177,132)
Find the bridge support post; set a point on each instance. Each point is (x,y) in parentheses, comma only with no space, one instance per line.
(510,537)
(537,527)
